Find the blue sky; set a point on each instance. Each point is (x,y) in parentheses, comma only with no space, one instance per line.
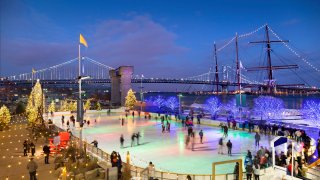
(160,38)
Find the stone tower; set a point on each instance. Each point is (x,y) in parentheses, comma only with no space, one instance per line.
(120,84)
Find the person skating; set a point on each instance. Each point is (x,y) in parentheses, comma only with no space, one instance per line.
(62,120)
(229,145)
(132,139)
(138,136)
(225,131)
(121,140)
(122,121)
(32,167)
(46,151)
(88,123)
(25,144)
(33,148)
(198,119)
(257,138)
(168,126)
(201,136)
(163,128)
(220,150)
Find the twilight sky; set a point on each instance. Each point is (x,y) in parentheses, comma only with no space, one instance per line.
(160,38)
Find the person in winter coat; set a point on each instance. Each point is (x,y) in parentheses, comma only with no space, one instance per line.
(257,138)
(256,171)
(33,148)
(25,144)
(220,151)
(32,167)
(201,136)
(249,171)
(46,151)
(229,145)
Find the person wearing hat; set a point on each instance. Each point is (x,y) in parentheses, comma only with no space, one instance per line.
(32,167)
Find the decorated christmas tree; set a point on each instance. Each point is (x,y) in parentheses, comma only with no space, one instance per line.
(72,106)
(52,107)
(98,106)
(87,105)
(130,99)
(64,105)
(35,106)
(5,116)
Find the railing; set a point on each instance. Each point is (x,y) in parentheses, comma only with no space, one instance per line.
(141,173)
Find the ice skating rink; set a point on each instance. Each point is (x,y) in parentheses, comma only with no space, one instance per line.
(166,150)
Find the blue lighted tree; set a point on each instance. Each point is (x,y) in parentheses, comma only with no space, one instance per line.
(311,111)
(157,101)
(231,107)
(212,105)
(172,103)
(268,107)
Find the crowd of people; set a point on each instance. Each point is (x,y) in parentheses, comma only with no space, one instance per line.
(252,164)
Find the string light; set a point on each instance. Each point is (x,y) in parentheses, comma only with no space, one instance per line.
(294,52)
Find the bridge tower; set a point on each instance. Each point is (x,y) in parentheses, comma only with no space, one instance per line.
(120,84)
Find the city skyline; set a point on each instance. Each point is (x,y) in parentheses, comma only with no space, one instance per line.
(161,39)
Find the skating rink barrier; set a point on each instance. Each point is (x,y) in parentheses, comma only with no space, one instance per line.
(138,173)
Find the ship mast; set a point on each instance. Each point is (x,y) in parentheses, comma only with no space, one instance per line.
(216,73)
(269,66)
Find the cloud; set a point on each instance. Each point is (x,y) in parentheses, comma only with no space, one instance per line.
(136,41)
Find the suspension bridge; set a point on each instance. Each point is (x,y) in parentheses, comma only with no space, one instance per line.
(223,76)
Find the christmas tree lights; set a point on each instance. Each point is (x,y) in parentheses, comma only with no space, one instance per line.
(130,99)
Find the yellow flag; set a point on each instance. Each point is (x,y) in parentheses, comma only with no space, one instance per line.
(33,71)
(83,41)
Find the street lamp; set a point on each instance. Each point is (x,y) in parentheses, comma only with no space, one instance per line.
(141,93)
(80,108)
(179,96)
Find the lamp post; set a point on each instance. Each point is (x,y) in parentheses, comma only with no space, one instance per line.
(141,93)
(80,108)
(179,96)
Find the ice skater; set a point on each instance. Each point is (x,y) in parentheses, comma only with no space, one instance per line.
(229,145)
(220,151)
(138,136)
(62,120)
(121,141)
(257,138)
(225,131)
(132,139)
(122,121)
(163,128)
(201,136)
(168,126)
(187,141)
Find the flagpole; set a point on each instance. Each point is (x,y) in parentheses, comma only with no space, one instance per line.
(31,78)
(79,109)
